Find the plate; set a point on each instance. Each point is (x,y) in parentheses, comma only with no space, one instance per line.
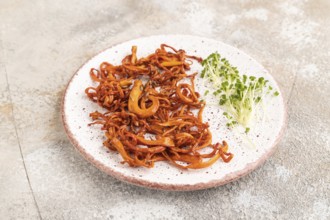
(250,150)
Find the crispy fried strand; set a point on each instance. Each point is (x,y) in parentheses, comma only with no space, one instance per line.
(150,115)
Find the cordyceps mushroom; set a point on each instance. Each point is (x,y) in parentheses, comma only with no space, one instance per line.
(164,108)
(163,141)
(133,102)
(186,93)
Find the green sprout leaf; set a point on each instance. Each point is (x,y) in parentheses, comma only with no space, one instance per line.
(238,94)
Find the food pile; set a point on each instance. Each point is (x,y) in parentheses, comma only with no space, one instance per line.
(153,112)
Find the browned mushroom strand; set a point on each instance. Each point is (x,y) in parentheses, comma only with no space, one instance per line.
(161,108)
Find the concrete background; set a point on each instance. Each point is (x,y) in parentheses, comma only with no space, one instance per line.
(42,43)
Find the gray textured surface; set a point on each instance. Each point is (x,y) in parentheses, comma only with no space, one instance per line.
(42,43)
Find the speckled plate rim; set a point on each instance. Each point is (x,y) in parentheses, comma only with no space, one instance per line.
(164,186)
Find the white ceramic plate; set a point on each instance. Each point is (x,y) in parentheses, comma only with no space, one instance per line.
(264,135)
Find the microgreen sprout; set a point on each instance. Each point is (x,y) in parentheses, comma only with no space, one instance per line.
(238,94)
